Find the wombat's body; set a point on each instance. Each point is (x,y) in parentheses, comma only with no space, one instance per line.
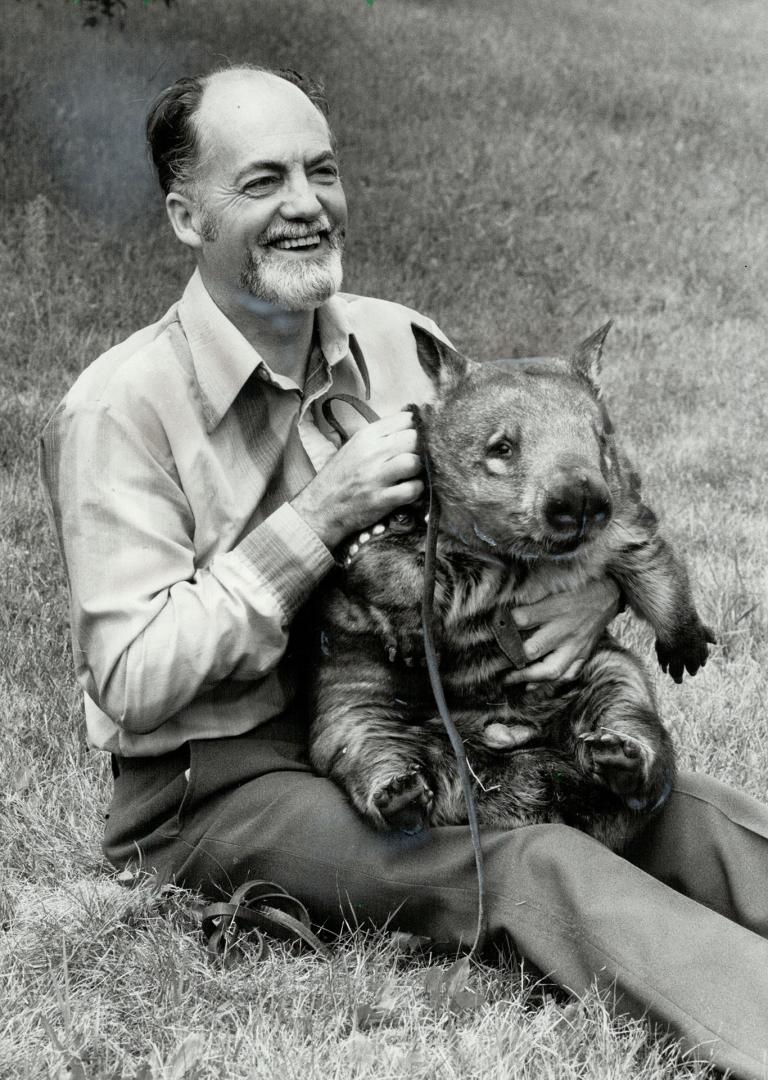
(535,499)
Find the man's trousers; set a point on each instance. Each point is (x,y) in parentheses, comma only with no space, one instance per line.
(675,929)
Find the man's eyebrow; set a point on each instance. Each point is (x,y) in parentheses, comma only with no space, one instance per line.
(327,155)
(279,166)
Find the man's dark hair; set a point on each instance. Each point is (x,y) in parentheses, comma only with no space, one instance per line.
(171,129)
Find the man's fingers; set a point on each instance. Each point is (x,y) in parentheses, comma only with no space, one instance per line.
(401,494)
(542,611)
(573,671)
(541,643)
(568,626)
(567,676)
(546,670)
(383,439)
(387,425)
(600,597)
(401,442)
(402,467)
(556,667)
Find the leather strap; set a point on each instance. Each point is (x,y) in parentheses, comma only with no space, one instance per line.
(438,692)
(433,527)
(360,406)
(508,637)
(256,908)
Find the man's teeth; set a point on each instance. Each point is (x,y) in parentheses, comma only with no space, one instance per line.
(297,242)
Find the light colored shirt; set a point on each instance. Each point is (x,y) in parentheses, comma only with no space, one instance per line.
(168,467)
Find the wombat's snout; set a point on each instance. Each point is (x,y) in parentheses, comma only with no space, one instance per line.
(578,501)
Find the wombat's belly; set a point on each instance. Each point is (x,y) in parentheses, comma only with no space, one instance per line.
(490,716)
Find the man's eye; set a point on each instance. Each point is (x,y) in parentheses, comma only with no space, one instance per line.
(261,183)
(327,172)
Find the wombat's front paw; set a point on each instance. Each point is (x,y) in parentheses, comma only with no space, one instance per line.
(405,802)
(686,651)
(616,760)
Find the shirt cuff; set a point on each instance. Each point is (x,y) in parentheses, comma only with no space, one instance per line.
(288,556)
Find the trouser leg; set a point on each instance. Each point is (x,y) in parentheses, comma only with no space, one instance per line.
(711,843)
(578,911)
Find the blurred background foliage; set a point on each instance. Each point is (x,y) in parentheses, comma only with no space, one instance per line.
(545,163)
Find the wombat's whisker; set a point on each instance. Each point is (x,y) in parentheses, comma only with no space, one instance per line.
(619,735)
(479,782)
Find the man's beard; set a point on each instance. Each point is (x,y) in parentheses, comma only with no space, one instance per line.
(294,284)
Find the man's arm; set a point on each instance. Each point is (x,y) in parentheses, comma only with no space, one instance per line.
(151,630)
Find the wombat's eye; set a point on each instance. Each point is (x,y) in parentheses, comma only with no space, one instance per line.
(501,449)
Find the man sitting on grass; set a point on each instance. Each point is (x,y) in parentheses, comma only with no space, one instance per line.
(198,497)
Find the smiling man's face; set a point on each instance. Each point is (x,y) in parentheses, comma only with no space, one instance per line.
(272,208)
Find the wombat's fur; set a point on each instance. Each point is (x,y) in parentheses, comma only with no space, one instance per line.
(536,498)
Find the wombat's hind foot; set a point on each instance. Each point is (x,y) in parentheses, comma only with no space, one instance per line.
(405,802)
(616,760)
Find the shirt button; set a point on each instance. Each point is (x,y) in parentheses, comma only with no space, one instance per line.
(263,375)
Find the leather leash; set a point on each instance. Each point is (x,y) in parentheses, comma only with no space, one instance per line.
(254,908)
(427,621)
(433,669)
(360,406)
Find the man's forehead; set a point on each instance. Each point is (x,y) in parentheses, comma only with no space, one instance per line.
(255,115)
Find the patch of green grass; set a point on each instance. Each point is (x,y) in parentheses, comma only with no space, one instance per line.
(520,172)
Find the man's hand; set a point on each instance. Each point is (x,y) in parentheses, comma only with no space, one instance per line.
(371,475)
(568,628)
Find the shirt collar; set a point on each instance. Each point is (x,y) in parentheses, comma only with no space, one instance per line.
(224,360)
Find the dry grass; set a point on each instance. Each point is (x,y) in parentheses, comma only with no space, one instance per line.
(518,171)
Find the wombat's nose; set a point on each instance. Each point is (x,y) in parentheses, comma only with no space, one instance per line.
(579,502)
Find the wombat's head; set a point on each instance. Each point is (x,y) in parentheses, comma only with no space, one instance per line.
(522,456)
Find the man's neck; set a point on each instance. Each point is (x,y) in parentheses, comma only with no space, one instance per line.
(283,339)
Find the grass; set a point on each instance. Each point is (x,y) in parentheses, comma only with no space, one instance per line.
(290,1017)
(520,172)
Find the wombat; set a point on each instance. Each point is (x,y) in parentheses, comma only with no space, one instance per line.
(536,498)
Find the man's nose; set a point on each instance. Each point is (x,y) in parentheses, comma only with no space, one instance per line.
(300,199)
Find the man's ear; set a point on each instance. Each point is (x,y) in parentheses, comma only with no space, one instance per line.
(443,364)
(586,360)
(185,219)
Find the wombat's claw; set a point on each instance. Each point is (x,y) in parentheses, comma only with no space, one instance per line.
(408,649)
(405,802)
(688,652)
(615,760)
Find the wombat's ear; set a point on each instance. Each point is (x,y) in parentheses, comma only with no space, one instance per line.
(586,359)
(442,363)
